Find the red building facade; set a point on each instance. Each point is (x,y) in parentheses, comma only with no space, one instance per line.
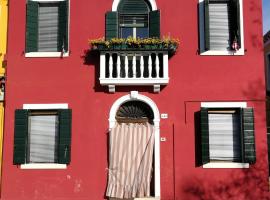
(211,76)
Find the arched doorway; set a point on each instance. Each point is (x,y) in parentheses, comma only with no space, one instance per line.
(139,109)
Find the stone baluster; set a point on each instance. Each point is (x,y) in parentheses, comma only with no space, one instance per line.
(157,65)
(150,65)
(110,66)
(134,66)
(118,64)
(142,66)
(126,66)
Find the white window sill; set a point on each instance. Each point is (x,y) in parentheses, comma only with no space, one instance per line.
(43,166)
(240,52)
(221,165)
(46,54)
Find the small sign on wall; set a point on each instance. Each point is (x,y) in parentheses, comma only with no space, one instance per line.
(164,116)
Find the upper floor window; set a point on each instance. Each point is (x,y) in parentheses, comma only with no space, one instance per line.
(133,18)
(221,27)
(47,27)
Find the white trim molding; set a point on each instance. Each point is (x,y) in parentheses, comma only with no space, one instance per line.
(45,106)
(116,3)
(47,0)
(220,165)
(46,54)
(224,104)
(43,166)
(240,52)
(135,96)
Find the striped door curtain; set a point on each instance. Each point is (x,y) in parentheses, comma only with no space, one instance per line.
(131,157)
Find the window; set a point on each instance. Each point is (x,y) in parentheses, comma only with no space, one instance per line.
(227,135)
(42,136)
(47,27)
(134,18)
(221,27)
(135,26)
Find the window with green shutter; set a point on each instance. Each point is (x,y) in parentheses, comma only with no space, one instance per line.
(42,136)
(227,135)
(47,26)
(134,18)
(220,25)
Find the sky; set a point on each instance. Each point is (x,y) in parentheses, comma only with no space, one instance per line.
(266,16)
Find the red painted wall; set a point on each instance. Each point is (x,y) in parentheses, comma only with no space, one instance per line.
(193,79)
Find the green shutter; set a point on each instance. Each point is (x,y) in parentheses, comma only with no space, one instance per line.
(20,137)
(206,26)
(63,26)
(32,26)
(64,146)
(249,154)
(238,29)
(268,145)
(154,24)
(235,28)
(205,136)
(111,25)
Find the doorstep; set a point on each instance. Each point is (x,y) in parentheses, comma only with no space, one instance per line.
(145,198)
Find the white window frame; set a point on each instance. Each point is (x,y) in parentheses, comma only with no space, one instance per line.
(52,54)
(240,52)
(44,165)
(225,164)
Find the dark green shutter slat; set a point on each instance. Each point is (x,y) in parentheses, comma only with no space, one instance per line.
(235,25)
(111,25)
(64,146)
(205,136)
(63,26)
(20,137)
(268,144)
(154,24)
(206,26)
(248,135)
(32,26)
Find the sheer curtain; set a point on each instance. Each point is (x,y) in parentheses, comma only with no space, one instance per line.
(131,157)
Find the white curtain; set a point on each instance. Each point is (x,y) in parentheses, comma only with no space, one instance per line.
(131,157)
(219,26)
(43,139)
(48,28)
(224,137)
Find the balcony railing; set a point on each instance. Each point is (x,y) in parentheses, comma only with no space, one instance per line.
(140,68)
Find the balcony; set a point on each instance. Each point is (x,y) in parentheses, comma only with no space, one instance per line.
(134,61)
(134,67)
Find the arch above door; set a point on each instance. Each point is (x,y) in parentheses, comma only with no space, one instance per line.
(116,3)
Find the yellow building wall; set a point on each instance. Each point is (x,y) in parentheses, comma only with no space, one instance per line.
(3,49)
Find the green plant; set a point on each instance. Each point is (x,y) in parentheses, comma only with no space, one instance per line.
(165,43)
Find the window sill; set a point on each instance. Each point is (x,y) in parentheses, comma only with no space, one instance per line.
(46,54)
(221,165)
(240,52)
(43,166)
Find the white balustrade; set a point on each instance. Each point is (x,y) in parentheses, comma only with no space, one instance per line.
(131,68)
